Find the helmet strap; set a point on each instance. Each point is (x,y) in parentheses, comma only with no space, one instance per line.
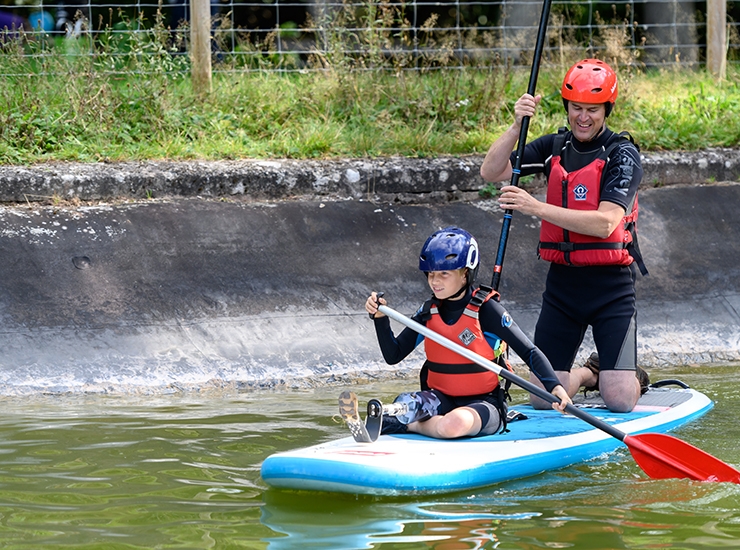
(463,290)
(597,135)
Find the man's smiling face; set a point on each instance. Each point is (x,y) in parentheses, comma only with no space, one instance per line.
(586,120)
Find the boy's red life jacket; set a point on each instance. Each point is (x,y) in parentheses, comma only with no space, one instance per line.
(581,190)
(450,372)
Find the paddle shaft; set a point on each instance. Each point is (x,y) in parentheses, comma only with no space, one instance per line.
(504,373)
(516,169)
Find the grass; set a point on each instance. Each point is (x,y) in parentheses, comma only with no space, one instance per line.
(72,108)
(268,115)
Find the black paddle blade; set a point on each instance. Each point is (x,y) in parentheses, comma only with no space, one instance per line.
(663,456)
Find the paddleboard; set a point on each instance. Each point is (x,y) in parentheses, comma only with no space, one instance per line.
(411,464)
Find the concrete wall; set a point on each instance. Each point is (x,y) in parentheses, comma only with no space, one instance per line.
(221,289)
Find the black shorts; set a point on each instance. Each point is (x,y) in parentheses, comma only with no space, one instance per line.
(602,297)
(491,408)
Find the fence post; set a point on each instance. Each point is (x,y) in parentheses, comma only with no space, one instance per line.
(717,37)
(200,45)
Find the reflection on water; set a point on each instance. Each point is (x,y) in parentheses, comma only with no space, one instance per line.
(183,472)
(554,510)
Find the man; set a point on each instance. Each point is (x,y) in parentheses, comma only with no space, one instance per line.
(588,233)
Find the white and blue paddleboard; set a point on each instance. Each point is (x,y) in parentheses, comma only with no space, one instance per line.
(413,464)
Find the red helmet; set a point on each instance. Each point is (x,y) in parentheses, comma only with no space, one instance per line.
(590,81)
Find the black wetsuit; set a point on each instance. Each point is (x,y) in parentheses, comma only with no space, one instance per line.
(496,323)
(602,297)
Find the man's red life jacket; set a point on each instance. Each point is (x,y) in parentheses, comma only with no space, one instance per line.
(450,372)
(581,190)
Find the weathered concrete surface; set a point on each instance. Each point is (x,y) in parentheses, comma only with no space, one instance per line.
(388,179)
(185,292)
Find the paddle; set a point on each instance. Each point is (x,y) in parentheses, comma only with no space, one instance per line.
(660,456)
(516,169)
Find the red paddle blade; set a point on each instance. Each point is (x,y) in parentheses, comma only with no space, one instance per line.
(663,456)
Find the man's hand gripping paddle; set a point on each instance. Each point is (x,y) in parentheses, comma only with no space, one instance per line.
(660,456)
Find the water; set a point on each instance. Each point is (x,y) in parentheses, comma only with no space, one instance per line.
(182,471)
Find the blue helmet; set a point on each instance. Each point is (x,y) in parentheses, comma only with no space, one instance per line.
(449,249)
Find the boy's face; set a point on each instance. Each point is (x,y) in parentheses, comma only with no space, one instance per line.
(586,120)
(446,283)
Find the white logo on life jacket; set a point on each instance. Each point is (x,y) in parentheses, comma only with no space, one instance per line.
(506,319)
(579,192)
(467,337)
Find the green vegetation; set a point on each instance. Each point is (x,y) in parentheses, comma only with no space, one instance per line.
(132,100)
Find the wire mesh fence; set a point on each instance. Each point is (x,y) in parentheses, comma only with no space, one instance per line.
(295,35)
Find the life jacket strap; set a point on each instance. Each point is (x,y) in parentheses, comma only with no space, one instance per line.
(572,247)
(481,294)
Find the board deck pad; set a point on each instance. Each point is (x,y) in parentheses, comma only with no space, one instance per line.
(652,398)
(406,464)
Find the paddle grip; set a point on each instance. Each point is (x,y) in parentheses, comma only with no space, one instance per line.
(377,297)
